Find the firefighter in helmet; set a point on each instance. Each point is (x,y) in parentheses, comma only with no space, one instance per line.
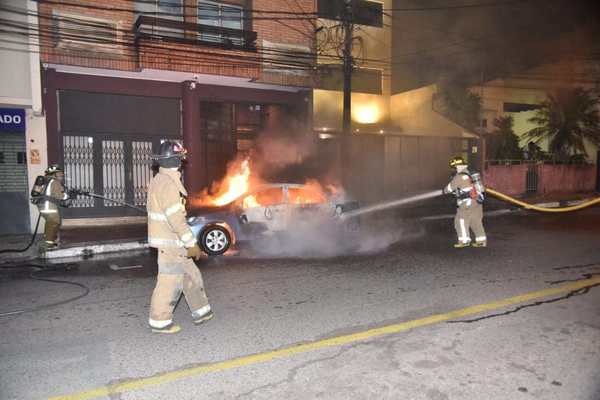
(49,195)
(466,186)
(170,234)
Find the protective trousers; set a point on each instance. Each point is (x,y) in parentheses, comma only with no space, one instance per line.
(177,274)
(469,218)
(52,226)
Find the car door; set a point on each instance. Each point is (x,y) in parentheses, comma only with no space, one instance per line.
(266,206)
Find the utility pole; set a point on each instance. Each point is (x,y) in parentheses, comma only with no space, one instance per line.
(348,61)
(345,143)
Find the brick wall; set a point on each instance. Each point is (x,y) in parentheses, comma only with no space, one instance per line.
(13,176)
(179,57)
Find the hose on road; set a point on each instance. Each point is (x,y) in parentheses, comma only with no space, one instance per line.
(35,275)
(528,206)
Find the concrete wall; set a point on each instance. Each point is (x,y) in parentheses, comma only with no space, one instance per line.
(511,179)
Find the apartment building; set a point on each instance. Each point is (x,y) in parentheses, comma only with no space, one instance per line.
(119,77)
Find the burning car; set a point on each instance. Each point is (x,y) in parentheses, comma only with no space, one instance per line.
(268,210)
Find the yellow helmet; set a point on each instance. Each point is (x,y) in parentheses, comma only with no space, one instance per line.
(456,161)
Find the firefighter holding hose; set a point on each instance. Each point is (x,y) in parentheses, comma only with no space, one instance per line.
(170,234)
(470,194)
(49,195)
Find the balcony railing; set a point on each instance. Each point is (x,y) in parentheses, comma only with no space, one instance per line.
(147,27)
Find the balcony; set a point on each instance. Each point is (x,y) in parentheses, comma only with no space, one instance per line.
(169,30)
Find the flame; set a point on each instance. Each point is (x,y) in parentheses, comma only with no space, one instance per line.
(235,184)
(239,180)
(250,202)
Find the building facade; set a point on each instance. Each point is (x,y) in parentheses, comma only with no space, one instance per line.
(120,77)
(23,153)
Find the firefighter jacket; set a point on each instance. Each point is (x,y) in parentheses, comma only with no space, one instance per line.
(167,224)
(54,196)
(462,187)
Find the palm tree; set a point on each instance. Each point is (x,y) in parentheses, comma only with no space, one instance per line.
(507,143)
(566,118)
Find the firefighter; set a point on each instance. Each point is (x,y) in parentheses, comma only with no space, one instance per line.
(49,195)
(170,234)
(470,194)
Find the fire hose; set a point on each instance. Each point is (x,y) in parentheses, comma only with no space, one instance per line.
(528,206)
(436,193)
(77,192)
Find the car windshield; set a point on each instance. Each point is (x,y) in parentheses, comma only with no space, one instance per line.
(305,196)
(262,198)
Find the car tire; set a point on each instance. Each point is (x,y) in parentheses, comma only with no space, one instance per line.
(215,240)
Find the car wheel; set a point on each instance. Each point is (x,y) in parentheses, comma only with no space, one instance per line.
(215,240)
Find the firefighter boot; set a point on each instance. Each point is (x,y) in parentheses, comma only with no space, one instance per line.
(482,243)
(201,315)
(171,328)
(461,245)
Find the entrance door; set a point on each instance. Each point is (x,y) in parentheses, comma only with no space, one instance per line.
(14,191)
(115,167)
(107,143)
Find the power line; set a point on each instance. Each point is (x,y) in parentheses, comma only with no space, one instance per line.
(454,7)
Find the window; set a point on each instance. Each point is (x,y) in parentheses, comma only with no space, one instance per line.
(365,12)
(264,198)
(220,15)
(519,107)
(216,119)
(164,9)
(83,32)
(2,158)
(170,9)
(21,157)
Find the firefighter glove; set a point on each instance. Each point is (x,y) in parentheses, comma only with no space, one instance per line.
(194,252)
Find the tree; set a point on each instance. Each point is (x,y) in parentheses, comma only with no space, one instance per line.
(566,119)
(507,142)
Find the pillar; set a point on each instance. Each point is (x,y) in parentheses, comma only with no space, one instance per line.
(195,174)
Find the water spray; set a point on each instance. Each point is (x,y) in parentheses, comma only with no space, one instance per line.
(391,204)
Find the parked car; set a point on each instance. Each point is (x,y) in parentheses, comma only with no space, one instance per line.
(266,211)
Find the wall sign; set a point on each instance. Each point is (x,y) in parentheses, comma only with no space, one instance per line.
(12,120)
(34,156)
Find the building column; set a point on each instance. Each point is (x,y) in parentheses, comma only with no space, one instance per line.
(195,174)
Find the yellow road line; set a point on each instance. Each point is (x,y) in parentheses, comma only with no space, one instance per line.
(167,377)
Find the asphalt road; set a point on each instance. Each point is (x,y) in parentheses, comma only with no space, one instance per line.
(377,325)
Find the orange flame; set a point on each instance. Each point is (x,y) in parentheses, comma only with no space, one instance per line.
(239,180)
(235,184)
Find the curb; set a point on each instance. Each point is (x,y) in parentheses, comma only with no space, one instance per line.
(93,249)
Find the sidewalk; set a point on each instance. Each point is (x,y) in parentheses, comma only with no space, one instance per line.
(79,242)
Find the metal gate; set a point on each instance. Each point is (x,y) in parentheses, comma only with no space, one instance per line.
(532,178)
(14,191)
(118,168)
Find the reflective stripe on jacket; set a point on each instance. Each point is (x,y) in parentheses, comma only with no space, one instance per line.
(167,224)
(56,192)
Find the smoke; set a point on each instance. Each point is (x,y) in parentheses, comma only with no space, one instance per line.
(321,236)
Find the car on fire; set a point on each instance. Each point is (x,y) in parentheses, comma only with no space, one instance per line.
(268,210)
